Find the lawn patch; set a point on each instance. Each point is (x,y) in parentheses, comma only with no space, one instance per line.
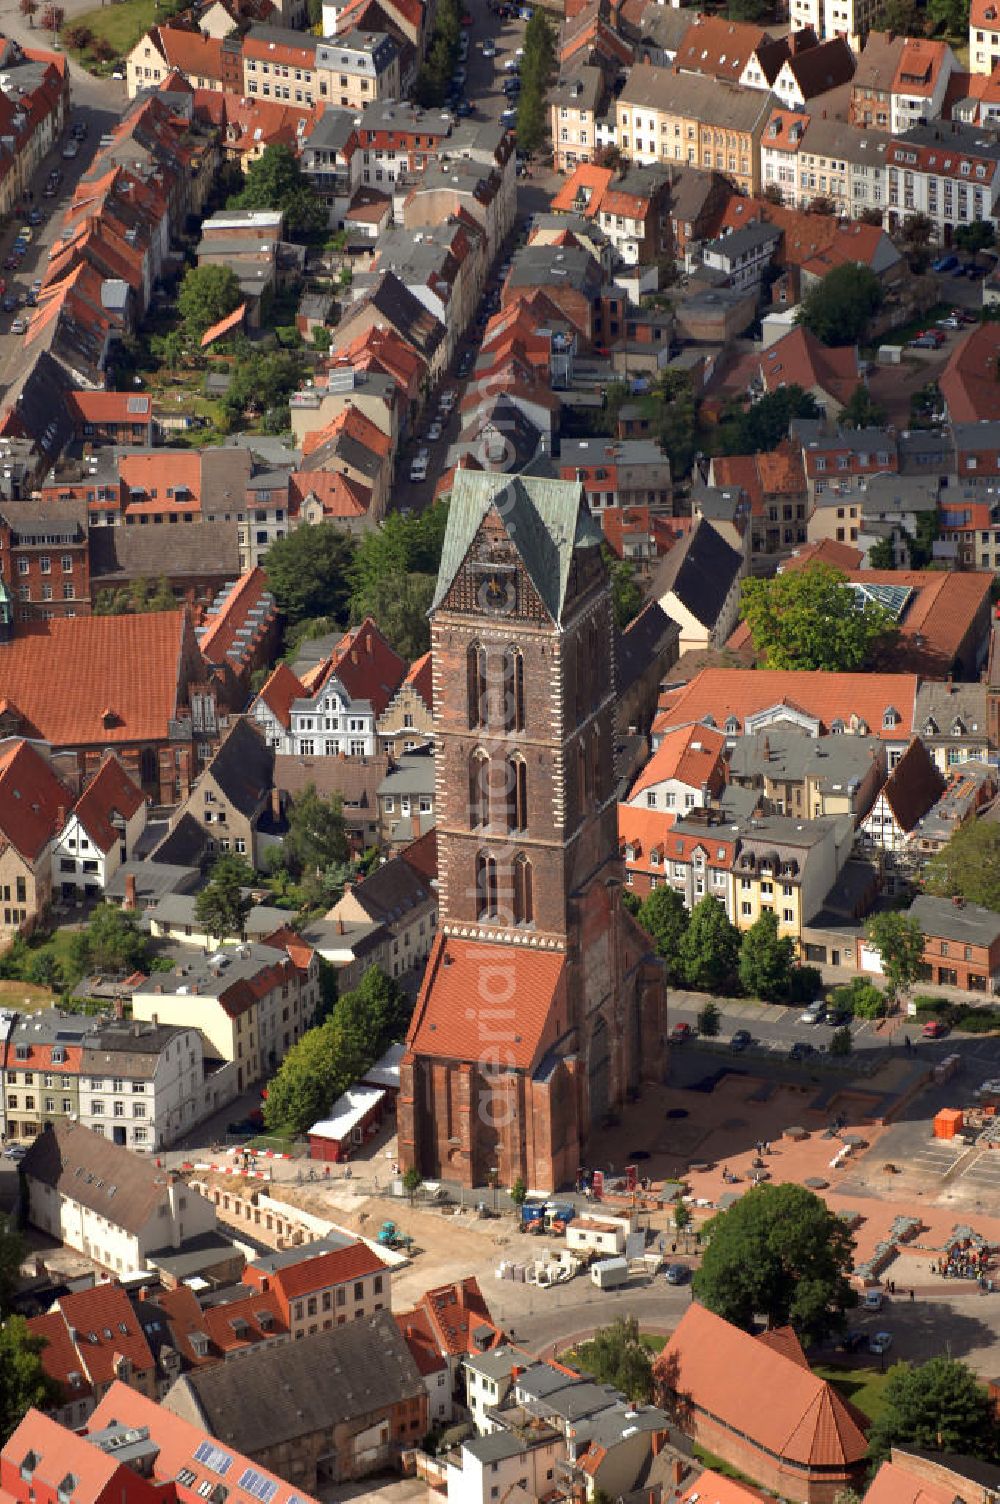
(864,1387)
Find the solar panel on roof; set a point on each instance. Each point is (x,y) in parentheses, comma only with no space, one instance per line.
(256,1484)
(136,405)
(213,1457)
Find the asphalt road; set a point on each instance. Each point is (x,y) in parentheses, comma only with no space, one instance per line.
(98,115)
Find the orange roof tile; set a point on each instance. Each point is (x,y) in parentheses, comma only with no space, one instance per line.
(421,677)
(366,666)
(714,1488)
(799,359)
(446,1028)
(321,1271)
(96,680)
(109,793)
(282,688)
(59,1356)
(969,382)
(588,181)
(718,47)
(338,495)
(221,629)
(231,321)
(415,1328)
(827,551)
(694,755)
(761,1394)
(457,1314)
(107,1330)
(894,1483)
(721,693)
(31,799)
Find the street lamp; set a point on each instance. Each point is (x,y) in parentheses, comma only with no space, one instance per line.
(494,1174)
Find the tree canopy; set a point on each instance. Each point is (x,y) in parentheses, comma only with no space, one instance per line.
(710,947)
(665,919)
(222,906)
(838,308)
(806,619)
(937,1406)
(899,941)
(762,426)
(766,961)
(393,576)
(781,1253)
(316,833)
(308,572)
(24,1384)
(969,865)
(206,295)
(112,941)
(616,1356)
(275,181)
(328,1059)
(537,63)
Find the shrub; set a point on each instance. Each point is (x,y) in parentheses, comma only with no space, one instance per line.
(977,1020)
(804,983)
(860,997)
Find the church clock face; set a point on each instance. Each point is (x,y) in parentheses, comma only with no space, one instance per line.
(496,588)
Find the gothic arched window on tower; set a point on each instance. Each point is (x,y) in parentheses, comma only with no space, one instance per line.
(524,898)
(479,789)
(475,660)
(595,661)
(486,886)
(582,781)
(517,793)
(513,689)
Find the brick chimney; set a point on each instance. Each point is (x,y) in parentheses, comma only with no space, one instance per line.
(276,803)
(60,817)
(130,899)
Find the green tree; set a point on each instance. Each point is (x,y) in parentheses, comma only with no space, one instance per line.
(766,961)
(708,1020)
(670,408)
(763,425)
(616,1356)
(400,606)
(307,571)
(24,1384)
(977,236)
(626,594)
(839,308)
(537,62)
(12,1252)
(859,411)
(682,1218)
(897,16)
(882,555)
(222,906)
(665,919)
(808,619)
(899,941)
(530,120)
(937,1406)
(275,181)
(206,295)
(841,1042)
(709,948)
(412,1181)
(317,836)
(781,1253)
(519,1192)
(950,17)
(112,941)
(969,865)
(749,10)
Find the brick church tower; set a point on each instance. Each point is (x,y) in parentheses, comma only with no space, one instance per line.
(541,1009)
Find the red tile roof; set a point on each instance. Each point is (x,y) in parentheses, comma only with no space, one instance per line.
(415,1328)
(59,1356)
(444,1026)
(693,755)
(366,666)
(800,359)
(723,692)
(714,1488)
(970,381)
(828,551)
(109,407)
(458,1314)
(220,632)
(919,66)
(107,1330)
(231,321)
(421,678)
(587,180)
(760,1394)
(720,48)
(110,792)
(187,50)
(894,1483)
(338,495)
(96,680)
(281,689)
(31,799)
(320,1271)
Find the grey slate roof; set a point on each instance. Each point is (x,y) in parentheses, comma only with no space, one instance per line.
(546,521)
(700,572)
(91,1170)
(967,924)
(243,768)
(273,1396)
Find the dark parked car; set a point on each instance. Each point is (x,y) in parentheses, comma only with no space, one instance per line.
(838,1017)
(801,1050)
(741,1040)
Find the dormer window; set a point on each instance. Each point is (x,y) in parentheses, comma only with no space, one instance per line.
(837,727)
(958,727)
(930,727)
(732,726)
(890,717)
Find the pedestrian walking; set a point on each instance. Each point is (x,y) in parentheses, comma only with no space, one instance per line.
(913,1294)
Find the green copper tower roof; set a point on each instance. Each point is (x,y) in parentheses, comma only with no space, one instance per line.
(545,520)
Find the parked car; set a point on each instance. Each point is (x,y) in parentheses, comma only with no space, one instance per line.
(434,432)
(447,399)
(460,77)
(9,303)
(25,233)
(15,1151)
(489,48)
(801,1050)
(79,130)
(852,1341)
(872,1300)
(839,1017)
(880,1342)
(418,470)
(680,1032)
(741,1041)
(934,1029)
(19,326)
(512,65)
(71,149)
(951,322)
(944,264)
(508,118)
(924,342)
(676,1274)
(31,300)
(463,109)
(35,217)
(814,1014)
